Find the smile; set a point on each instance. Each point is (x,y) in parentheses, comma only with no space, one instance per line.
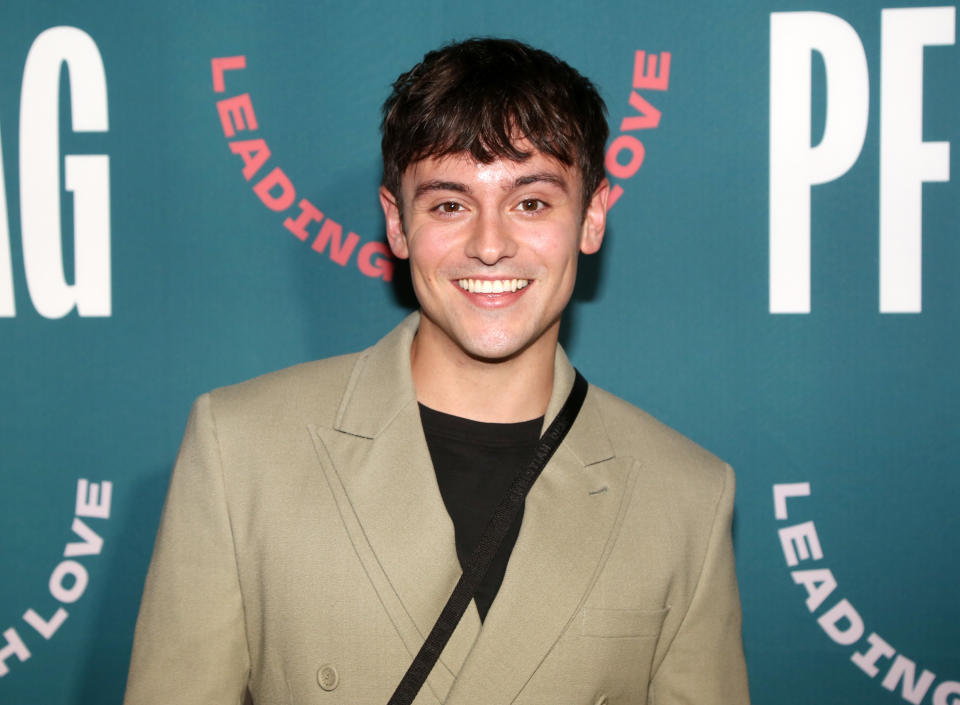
(492,286)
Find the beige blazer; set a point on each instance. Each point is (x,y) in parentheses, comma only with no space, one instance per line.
(304,552)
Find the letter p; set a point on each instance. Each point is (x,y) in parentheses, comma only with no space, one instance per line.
(795,164)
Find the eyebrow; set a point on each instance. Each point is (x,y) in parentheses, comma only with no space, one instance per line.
(437,185)
(542,177)
(526,180)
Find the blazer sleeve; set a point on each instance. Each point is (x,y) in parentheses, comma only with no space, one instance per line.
(190,644)
(705,664)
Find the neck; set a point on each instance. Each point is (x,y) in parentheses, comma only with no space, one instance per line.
(448,379)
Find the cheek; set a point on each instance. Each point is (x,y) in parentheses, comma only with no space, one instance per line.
(432,250)
(426,258)
(553,243)
(558,254)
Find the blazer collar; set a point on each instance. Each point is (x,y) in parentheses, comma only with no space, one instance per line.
(381,385)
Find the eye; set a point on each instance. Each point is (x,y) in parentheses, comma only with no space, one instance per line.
(449,207)
(531,205)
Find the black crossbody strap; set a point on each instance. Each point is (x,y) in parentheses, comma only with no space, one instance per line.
(483,554)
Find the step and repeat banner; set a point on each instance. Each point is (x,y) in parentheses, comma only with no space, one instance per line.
(188,198)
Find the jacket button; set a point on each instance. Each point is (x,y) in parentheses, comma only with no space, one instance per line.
(327,677)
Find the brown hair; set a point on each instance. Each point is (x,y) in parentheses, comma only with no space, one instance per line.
(482,95)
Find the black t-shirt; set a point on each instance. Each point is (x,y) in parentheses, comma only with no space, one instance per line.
(475,463)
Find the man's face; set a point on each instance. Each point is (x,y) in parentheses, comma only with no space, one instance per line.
(493,248)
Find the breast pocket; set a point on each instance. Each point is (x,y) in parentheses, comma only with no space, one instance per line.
(605,653)
(614,623)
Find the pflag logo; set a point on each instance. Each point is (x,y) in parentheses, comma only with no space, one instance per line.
(907,161)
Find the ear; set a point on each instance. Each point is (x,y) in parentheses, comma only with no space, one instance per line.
(391,214)
(595,220)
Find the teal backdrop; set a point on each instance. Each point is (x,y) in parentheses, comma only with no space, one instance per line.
(164,167)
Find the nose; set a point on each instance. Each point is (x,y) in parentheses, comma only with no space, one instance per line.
(490,239)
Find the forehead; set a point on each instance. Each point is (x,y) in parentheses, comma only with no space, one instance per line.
(464,169)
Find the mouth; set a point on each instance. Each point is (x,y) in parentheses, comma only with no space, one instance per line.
(492,286)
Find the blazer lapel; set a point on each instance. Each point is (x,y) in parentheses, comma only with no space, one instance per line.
(570,520)
(381,474)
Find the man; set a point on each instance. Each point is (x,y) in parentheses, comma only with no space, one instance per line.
(318,517)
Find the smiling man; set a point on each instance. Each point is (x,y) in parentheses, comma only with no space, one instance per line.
(453,510)
(493,252)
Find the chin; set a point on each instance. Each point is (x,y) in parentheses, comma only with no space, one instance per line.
(494,346)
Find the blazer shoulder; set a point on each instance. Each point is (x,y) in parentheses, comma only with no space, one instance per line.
(310,390)
(660,449)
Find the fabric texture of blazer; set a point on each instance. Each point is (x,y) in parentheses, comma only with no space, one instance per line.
(304,552)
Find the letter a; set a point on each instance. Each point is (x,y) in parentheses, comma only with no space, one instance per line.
(819,583)
(841,611)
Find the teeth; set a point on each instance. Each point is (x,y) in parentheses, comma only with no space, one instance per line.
(492,286)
